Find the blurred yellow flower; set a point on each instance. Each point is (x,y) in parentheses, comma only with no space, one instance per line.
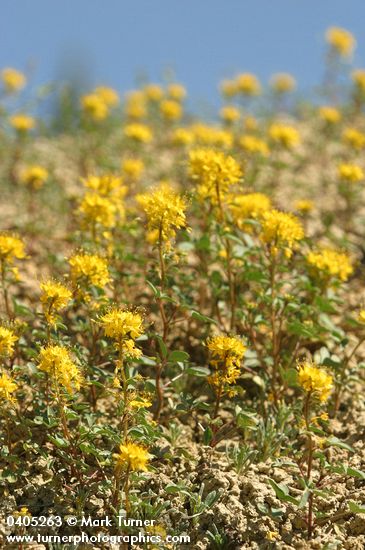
(286,136)
(108,95)
(248,84)
(54,297)
(170,109)
(282,83)
(34,176)
(341,41)
(132,168)
(176,91)
(229,114)
(93,105)
(254,145)
(13,80)
(228,88)
(182,136)
(138,132)
(330,115)
(7,341)
(22,123)
(358,77)
(7,388)
(304,205)
(281,230)
(11,248)
(354,138)
(351,173)
(330,263)
(153,92)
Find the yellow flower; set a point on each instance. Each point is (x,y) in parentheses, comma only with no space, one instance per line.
(283,135)
(121,323)
(94,106)
(250,124)
(272,536)
(228,88)
(90,269)
(96,209)
(108,95)
(22,123)
(227,354)
(315,380)
(304,205)
(7,341)
(331,263)
(13,80)
(165,211)
(182,136)
(361,316)
(351,173)
(176,91)
(170,109)
(248,84)
(11,248)
(138,132)
(7,388)
(210,135)
(282,83)
(250,206)
(133,168)
(281,230)
(135,105)
(330,115)
(358,77)
(341,41)
(153,92)
(140,402)
(354,138)
(253,144)
(214,171)
(229,114)
(34,175)
(132,457)
(57,362)
(54,297)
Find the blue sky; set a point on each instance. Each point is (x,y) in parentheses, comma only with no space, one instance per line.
(110,41)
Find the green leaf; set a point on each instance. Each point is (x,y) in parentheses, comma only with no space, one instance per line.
(198,371)
(176,356)
(200,317)
(162,346)
(304,498)
(282,492)
(356,508)
(335,442)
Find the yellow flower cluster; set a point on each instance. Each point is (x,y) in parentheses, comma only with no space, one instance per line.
(354,138)
(34,176)
(7,341)
(341,41)
(124,327)
(7,388)
(284,135)
(22,123)
(358,77)
(351,173)
(281,230)
(140,133)
(54,297)
(230,114)
(330,263)
(176,91)
(304,205)
(282,83)
(254,145)
(13,80)
(227,354)
(182,136)
(248,84)
(132,457)
(330,115)
(11,248)
(97,103)
(165,211)
(171,110)
(95,209)
(315,380)
(89,269)
(249,206)
(204,134)
(132,168)
(57,362)
(215,172)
